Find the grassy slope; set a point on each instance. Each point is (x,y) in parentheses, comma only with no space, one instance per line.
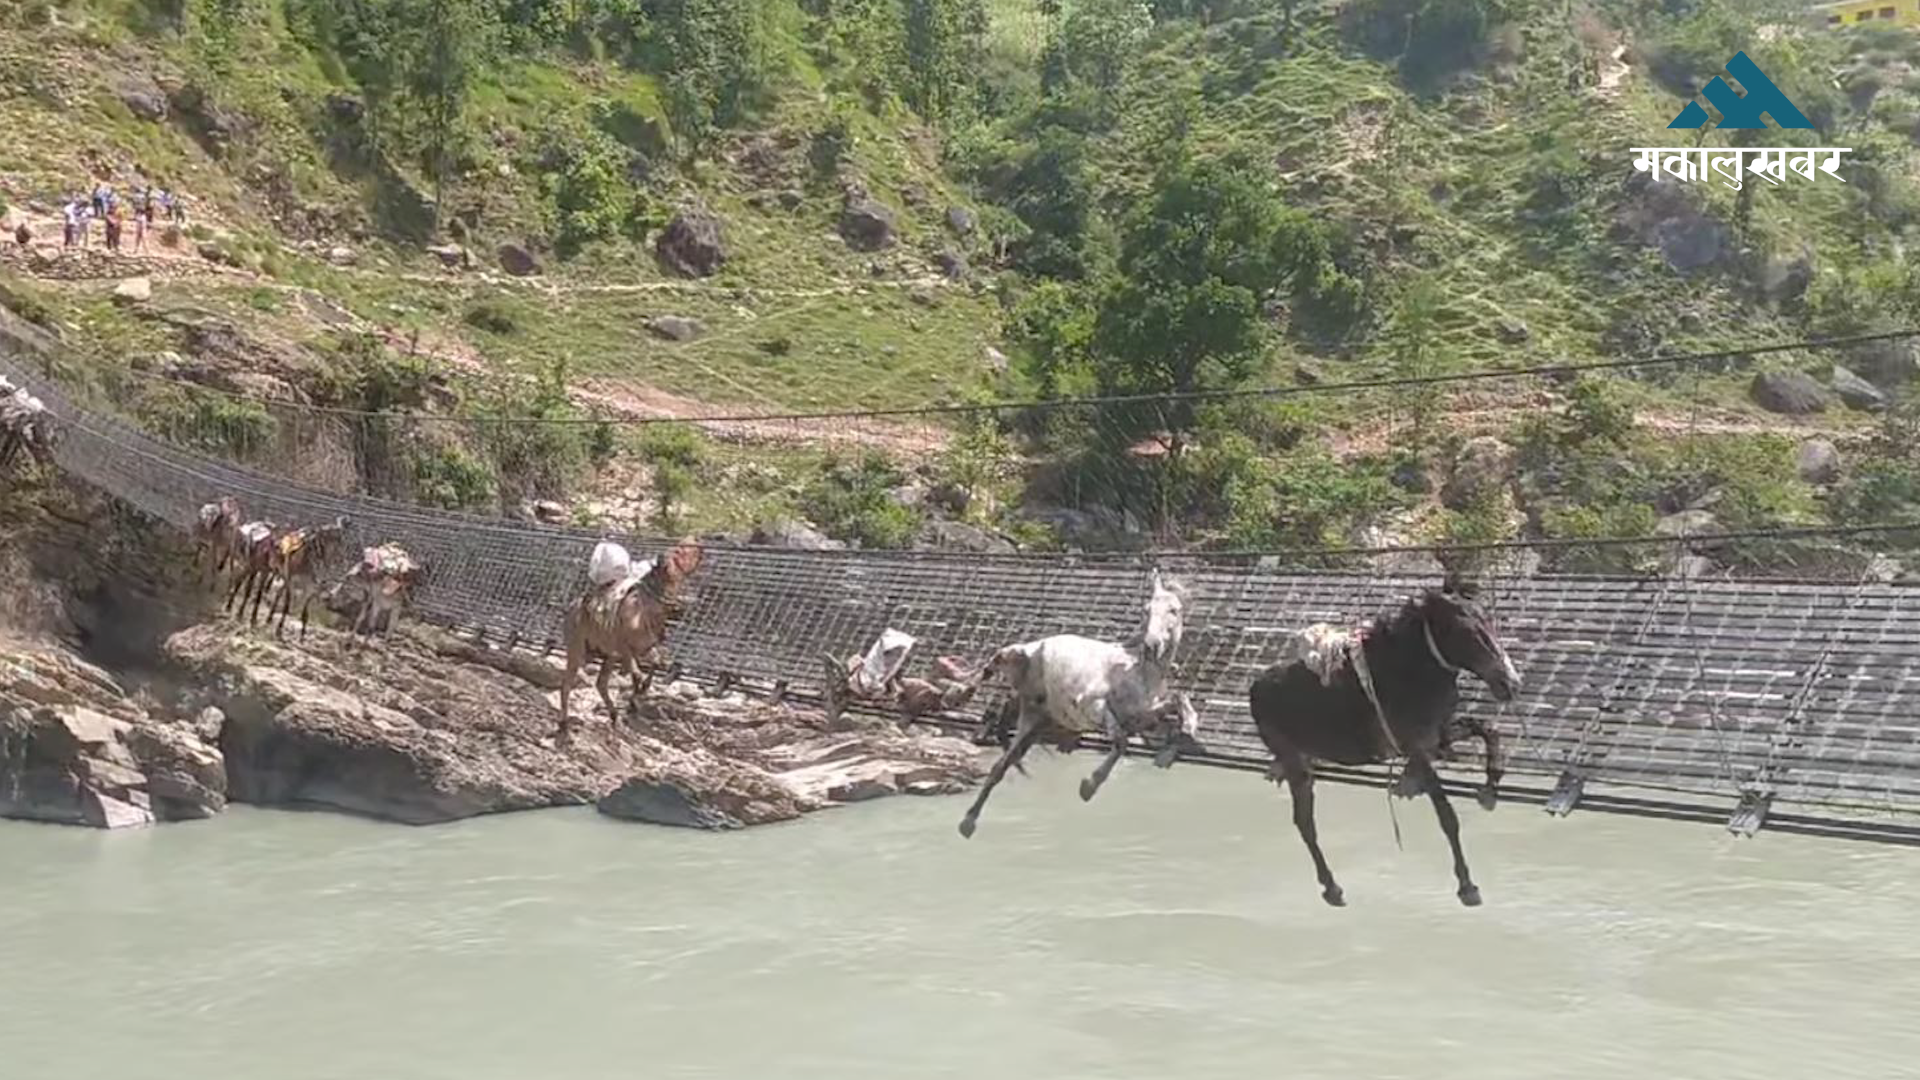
(1436,184)
(873,347)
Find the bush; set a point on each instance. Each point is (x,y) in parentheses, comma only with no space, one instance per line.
(1884,482)
(493,317)
(851,501)
(233,427)
(675,451)
(584,176)
(1307,499)
(364,374)
(451,479)
(1597,410)
(534,458)
(1596,522)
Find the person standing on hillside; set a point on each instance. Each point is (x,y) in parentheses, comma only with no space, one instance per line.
(142,218)
(113,226)
(74,216)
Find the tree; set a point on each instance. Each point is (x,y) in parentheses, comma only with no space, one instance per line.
(1196,262)
(449,41)
(1102,36)
(946,44)
(710,61)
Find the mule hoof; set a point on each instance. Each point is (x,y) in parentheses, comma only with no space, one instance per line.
(1489,797)
(1165,758)
(967,825)
(1087,790)
(1334,896)
(1470,896)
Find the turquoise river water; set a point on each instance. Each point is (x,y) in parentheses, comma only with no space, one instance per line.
(1169,930)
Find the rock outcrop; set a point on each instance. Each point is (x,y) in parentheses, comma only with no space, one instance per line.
(1856,392)
(431,731)
(865,222)
(1484,468)
(517,260)
(76,749)
(691,245)
(1787,392)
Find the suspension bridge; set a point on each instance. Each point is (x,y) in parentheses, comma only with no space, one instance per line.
(1780,704)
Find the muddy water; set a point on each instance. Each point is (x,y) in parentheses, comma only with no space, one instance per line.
(1171,929)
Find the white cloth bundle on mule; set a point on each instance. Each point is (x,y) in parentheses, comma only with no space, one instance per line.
(884,659)
(1322,647)
(610,563)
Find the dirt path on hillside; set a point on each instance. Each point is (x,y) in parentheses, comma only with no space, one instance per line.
(634,401)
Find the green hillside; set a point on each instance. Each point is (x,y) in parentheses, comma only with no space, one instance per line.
(1107,195)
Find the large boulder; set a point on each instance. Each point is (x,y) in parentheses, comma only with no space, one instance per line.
(1785,277)
(788,533)
(961,220)
(1092,528)
(75,750)
(763,763)
(515,259)
(1856,392)
(133,292)
(451,256)
(691,244)
(1483,469)
(1687,523)
(1817,461)
(952,264)
(676,327)
(866,222)
(145,102)
(1789,393)
(1886,364)
(212,124)
(1668,215)
(942,535)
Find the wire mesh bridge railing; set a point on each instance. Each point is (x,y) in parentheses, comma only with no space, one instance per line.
(1779,702)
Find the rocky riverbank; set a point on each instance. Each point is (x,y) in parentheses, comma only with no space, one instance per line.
(431,731)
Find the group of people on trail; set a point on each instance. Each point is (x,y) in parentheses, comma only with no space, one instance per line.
(145,205)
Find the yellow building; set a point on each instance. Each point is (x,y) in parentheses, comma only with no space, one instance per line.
(1877,12)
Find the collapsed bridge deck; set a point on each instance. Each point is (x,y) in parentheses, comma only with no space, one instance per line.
(1728,698)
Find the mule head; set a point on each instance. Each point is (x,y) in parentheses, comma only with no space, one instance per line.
(1009,663)
(679,564)
(1461,635)
(1166,618)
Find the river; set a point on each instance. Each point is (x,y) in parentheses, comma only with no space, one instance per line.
(1170,929)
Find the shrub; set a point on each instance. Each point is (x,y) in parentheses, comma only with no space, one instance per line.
(851,501)
(675,451)
(493,317)
(234,427)
(452,479)
(1597,410)
(533,457)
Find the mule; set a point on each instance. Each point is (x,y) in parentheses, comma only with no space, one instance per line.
(1388,691)
(295,558)
(1066,686)
(252,562)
